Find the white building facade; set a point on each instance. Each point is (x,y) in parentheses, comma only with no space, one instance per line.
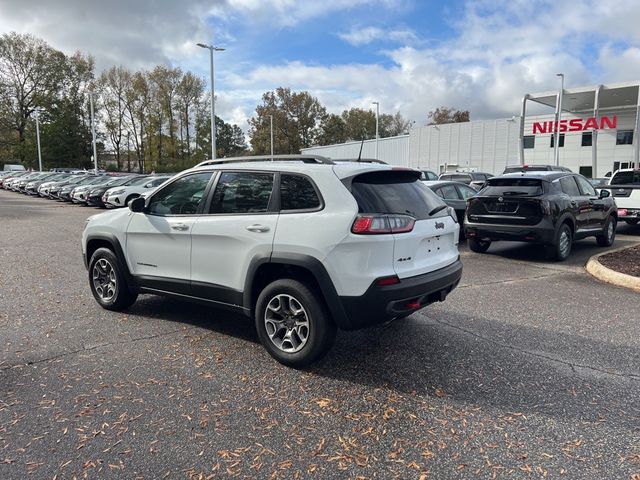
(597,133)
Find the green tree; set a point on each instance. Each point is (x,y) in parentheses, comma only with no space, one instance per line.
(31,76)
(443,115)
(332,130)
(359,124)
(296,121)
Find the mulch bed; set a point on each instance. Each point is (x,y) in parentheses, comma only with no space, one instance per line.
(626,261)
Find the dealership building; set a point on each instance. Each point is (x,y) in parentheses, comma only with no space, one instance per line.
(597,134)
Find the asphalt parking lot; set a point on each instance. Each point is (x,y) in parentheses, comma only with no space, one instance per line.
(530,369)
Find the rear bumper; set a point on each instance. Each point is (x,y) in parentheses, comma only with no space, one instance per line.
(379,304)
(628,213)
(539,233)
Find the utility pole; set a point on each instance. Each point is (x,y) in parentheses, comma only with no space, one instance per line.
(93,134)
(213,97)
(556,133)
(271,120)
(377,104)
(37,114)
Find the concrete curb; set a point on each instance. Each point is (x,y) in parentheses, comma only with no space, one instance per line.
(604,274)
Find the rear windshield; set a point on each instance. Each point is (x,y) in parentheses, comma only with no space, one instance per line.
(521,187)
(626,178)
(524,169)
(394,192)
(456,178)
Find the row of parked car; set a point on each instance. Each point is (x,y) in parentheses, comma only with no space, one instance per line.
(543,204)
(106,191)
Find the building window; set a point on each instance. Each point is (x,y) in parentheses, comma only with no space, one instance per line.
(528,141)
(624,137)
(560,140)
(587,139)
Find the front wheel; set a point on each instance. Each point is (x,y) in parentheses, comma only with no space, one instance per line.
(293,324)
(608,233)
(479,246)
(107,281)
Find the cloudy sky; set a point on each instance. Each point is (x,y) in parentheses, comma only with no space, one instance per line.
(410,55)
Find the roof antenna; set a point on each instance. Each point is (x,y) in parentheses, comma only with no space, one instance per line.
(361,145)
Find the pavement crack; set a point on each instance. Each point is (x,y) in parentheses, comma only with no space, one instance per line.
(573,366)
(90,348)
(510,280)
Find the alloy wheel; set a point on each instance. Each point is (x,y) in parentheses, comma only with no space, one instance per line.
(104,279)
(287,323)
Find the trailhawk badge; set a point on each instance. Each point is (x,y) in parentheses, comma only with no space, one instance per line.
(439,225)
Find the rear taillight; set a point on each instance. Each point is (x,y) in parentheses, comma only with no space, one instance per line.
(381,224)
(452,214)
(546,207)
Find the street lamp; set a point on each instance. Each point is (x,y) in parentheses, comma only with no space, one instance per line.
(93,134)
(37,114)
(271,120)
(212,49)
(556,133)
(377,104)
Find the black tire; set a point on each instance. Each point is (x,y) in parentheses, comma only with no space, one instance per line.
(103,262)
(320,330)
(477,245)
(129,198)
(560,250)
(631,221)
(608,233)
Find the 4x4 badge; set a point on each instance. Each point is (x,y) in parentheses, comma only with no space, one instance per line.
(439,225)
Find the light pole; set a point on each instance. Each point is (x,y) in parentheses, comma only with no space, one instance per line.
(37,114)
(93,135)
(556,138)
(377,104)
(271,120)
(212,49)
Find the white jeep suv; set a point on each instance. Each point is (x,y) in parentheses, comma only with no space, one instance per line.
(302,244)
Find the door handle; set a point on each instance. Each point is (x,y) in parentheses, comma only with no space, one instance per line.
(179,226)
(573,203)
(257,228)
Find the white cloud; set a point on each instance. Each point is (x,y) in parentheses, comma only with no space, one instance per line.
(364,35)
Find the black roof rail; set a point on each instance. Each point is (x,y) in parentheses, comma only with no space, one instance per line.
(305,158)
(362,160)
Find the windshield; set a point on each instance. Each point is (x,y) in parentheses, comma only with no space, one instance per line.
(525,169)
(116,182)
(521,187)
(626,178)
(136,181)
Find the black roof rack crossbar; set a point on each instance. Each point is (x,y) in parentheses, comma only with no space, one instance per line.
(361,160)
(305,158)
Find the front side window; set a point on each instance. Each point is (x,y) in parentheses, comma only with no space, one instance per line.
(448,192)
(569,186)
(297,193)
(181,197)
(465,191)
(242,192)
(585,187)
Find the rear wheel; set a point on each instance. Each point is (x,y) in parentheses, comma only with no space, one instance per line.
(479,246)
(293,324)
(561,247)
(608,233)
(107,281)
(632,221)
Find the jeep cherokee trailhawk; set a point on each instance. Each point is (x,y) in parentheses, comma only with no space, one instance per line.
(302,244)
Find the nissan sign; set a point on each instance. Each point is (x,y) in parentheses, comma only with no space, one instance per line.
(576,125)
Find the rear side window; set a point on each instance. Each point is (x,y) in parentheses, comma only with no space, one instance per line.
(394,192)
(626,178)
(297,193)
(522,187)
(569,186)
(242,192)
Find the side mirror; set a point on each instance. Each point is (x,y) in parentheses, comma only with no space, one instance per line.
(604,194)
(137,204)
